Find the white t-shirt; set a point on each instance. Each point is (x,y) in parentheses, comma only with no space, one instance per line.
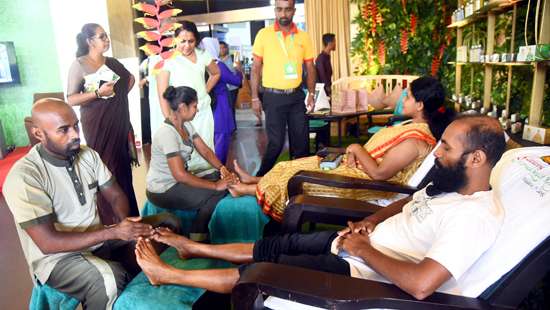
(452,229)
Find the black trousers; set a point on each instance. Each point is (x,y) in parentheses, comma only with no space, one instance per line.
(281,111)
(184,197)
(310,251)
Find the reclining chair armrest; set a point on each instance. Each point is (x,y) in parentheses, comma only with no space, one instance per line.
(303,208)
(333,291)
(295,184)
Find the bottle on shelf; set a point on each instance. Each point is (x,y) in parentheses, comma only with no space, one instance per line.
(516,125)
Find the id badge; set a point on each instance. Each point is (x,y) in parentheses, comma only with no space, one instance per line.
(291,72)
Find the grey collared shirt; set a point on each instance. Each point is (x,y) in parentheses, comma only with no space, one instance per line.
(41,188)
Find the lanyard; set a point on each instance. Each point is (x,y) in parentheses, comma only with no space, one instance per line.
(282,43)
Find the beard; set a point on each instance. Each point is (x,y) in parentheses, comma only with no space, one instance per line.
(68,151)
(283,21)
(448,179)
(73,148)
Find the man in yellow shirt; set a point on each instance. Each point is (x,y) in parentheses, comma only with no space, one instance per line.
(279,53)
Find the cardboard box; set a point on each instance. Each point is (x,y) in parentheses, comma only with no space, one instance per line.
(536,134)
(462,54)
(526,53)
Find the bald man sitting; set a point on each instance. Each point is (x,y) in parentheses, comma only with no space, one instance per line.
(51,193)
(422,244)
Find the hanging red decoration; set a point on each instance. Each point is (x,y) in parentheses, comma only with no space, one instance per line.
(374,13)
(366,11)
(441,51)
(373,8)
(404,42)
(379,18)
(382,53)
(413,25)
(436,62)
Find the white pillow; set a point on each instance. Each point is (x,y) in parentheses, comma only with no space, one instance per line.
(521,181)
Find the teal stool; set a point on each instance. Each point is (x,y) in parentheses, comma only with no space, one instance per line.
(139,294)
(45,297)
(234,220)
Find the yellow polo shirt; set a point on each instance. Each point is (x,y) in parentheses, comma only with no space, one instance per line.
(268,47)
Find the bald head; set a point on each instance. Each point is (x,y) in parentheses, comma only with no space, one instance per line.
(45,111)
(479,132)
(56,126)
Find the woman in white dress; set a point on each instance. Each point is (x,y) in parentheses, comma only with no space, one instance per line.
(188,69)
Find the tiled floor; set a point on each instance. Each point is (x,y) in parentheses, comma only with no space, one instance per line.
(15,281)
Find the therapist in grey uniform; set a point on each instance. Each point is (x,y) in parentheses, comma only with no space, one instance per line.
(170,184)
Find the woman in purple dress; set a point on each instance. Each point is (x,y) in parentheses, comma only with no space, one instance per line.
(224,124)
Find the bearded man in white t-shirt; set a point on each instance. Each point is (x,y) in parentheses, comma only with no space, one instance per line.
(422,244)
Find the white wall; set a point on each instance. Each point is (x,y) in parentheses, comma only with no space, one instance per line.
(68,17)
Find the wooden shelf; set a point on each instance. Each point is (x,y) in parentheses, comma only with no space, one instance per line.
(510,63)
(490,12)
(492,63)
(496,7)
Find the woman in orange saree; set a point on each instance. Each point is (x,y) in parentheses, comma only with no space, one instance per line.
(393,154)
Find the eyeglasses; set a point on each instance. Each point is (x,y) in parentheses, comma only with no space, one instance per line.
(103,37)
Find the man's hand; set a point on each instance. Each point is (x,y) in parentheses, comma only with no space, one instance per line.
(354,243)
(366,224)
(310,103)
(222,184)
(131,229)
(224,172)
(257,107)
(229,176)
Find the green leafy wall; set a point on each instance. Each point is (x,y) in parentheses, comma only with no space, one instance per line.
(28,24)
(404,37)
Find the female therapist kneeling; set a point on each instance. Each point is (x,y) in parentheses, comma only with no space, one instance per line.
(170,184)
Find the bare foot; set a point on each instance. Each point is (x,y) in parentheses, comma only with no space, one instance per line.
(238,190)
(156,270)
(180,243)
(244,176)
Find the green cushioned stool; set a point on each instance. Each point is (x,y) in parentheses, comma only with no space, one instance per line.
(44,297)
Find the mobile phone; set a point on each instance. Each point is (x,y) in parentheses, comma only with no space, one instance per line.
(101,82)
(330,157)
(331,161)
